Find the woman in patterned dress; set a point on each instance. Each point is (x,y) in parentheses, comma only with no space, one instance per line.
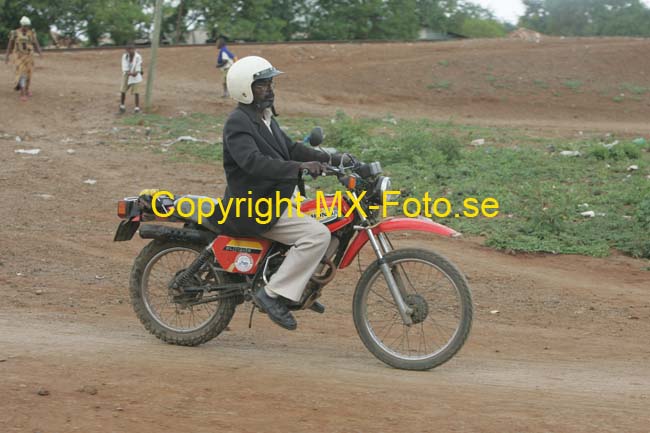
(23,43)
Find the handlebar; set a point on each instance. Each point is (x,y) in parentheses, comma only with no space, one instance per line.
(330,170)
(360,169)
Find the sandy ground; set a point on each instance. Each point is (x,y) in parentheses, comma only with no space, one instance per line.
(568,351)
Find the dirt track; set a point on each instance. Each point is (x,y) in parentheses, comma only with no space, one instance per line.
(568,351)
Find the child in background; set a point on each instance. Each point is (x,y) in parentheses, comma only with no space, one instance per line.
(131,77)
(225,60)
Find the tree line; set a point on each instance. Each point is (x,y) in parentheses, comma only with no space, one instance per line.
(284,20)
(251,20)
(587,17)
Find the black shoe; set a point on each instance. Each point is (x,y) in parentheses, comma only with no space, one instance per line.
(276,309)
(317,307)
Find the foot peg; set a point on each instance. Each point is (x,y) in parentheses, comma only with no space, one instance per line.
(317,307)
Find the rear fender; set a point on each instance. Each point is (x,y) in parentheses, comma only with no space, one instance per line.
(127,229)
(393,225)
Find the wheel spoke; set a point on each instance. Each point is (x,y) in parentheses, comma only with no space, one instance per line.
(433,296)
(156,293)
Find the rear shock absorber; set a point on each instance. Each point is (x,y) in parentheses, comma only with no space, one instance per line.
(185,277)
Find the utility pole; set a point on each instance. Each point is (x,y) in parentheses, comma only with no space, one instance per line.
(155,39)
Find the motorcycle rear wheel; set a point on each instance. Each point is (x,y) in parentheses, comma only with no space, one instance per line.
(163,311)
(441,301)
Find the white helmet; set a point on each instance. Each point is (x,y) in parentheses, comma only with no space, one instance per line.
(244,72)
(24,21)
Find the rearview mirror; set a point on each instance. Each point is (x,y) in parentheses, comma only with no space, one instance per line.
(316,136)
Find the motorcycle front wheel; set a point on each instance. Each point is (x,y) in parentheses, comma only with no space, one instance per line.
(441,301)
(170,314)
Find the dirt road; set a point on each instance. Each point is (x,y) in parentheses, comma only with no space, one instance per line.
(567,352)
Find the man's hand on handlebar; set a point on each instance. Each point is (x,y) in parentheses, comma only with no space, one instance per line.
(313,168)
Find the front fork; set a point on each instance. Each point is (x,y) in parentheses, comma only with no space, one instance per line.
(381,245)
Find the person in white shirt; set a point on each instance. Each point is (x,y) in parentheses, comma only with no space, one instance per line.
(131,77)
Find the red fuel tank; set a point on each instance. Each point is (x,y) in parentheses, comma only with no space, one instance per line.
(330,210)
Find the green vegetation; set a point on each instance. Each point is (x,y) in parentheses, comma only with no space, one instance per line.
(251,20)
(204,128)
(482,28)
(574,85)
(541,84)
(541,193)
(74,18)
(587,17)
(634,89)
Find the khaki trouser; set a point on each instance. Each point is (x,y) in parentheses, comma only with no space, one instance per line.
(310,240)
(134,88)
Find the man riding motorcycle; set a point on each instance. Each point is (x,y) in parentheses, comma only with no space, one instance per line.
(411,307)
(262,162)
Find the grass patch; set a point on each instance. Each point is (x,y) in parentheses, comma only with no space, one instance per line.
(618,98)
(574,85)
(443,63)
(440,85)
(634,89)
(541,84)
(166,131)
(541,193)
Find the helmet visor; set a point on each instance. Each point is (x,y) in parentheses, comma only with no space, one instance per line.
(266,74)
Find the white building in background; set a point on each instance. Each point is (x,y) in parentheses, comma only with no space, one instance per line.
(427,34)
(197,36)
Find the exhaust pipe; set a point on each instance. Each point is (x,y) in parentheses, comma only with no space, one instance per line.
(151,231)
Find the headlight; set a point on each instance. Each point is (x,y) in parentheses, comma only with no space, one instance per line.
(383,185)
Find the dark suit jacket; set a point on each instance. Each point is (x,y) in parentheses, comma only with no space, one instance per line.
(256,160)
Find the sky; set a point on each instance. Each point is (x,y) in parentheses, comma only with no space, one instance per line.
(510,10)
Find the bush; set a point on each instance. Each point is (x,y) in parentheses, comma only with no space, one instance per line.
(478,28)
(618,152)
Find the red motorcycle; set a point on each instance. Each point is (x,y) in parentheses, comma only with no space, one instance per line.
(412,308)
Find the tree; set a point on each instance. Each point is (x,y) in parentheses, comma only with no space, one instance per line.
(364,19)
(252,20)
(346,19)
(478,28)
(535,16)
(434,14)
(40,13)
(399,20)
(587,17)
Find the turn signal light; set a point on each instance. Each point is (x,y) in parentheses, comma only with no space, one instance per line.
(351,182)
(121,208)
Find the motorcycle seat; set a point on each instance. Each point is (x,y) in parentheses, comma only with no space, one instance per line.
(183,206)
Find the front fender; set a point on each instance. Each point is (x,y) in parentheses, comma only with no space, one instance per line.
(420,224)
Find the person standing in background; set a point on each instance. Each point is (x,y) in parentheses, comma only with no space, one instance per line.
(23,43)
(131,77)
(225,60)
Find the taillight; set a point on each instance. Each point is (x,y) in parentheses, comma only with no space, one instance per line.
(121,208)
